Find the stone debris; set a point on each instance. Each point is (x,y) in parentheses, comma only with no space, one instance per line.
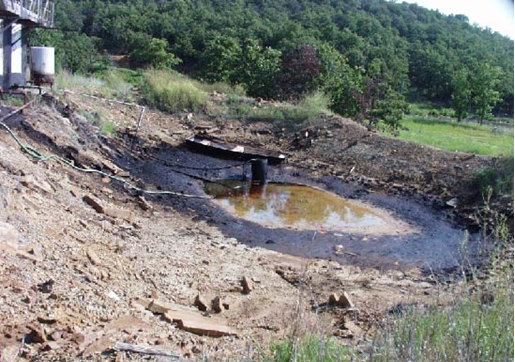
(200,303)
(216,305)
(246,285)
(343,300)
(190,320)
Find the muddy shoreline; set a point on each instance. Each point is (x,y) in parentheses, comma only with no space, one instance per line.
(437,247)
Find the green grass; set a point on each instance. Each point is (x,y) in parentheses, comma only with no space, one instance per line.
(470,330)
(112,84)
(310,348)
(172,92)
(454,136)
(297,115)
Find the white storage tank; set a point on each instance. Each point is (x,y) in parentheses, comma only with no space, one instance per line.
(42,65)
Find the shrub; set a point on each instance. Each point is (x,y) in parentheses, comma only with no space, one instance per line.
(172,92)
(310,348)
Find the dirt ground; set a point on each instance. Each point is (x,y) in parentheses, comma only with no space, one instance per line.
(85,260)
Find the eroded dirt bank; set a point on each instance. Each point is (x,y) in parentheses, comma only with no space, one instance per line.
(82,256)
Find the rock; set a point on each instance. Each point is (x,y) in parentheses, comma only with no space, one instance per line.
(333,299)
(46,287)
(94,203)
(93,257)
(194,323)
(143,203)
(116,212)
(452,202)
(345,301)
(36,335)
(216,305)
(200,304)
(226,306)
(50,346)
(8,234)
(31,182)
(159,306)
(246,285)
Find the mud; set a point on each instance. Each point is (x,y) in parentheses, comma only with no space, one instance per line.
(418,235)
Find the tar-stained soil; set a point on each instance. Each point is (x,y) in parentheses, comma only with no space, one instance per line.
(436,245)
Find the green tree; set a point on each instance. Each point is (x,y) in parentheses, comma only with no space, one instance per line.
(258,69)
(461,93)
(484,84)
(339,81)
(219,60)
(154,53)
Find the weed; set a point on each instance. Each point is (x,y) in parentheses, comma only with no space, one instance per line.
(172,92)
(10,101)
(108,129)
(497,178)
(112,86)
(310,348)
(220,87)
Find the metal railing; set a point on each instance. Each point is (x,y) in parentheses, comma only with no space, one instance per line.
(38,11)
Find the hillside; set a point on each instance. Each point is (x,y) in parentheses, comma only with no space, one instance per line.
(88,262)
(383,51)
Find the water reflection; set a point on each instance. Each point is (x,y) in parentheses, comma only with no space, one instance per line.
(292,206)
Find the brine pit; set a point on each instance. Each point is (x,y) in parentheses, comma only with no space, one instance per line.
(299,207)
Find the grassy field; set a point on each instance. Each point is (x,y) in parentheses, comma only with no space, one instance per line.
(453,136)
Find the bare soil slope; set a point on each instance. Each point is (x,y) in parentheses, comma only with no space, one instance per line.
(82,257)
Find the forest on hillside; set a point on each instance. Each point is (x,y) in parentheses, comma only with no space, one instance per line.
(368,56)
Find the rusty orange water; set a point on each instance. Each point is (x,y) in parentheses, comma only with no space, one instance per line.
(292,206)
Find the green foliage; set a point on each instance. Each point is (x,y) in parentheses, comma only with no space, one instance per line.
(497,179)
(461,94)
(339,81)
(76,53)
(219,60)
(172,92)
(484,94)
(470,330)
(453,136)
(310,348)
(258,69)
(154,53)
(406,48)
(112,84)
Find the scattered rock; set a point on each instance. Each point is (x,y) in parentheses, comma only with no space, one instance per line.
(8,234)
(452,202)
(333,299)
(200,304)
(144,204)
(246,285)
(31,182)
(50,346)
(93,257)
(36,335)
(46,287)
(194,323)
(345,301)
(216,305)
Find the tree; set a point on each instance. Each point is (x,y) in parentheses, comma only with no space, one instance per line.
(461,93)
(339,81)
(300,71)
(483,85)
(258,69)
(219,60)
(154,53)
